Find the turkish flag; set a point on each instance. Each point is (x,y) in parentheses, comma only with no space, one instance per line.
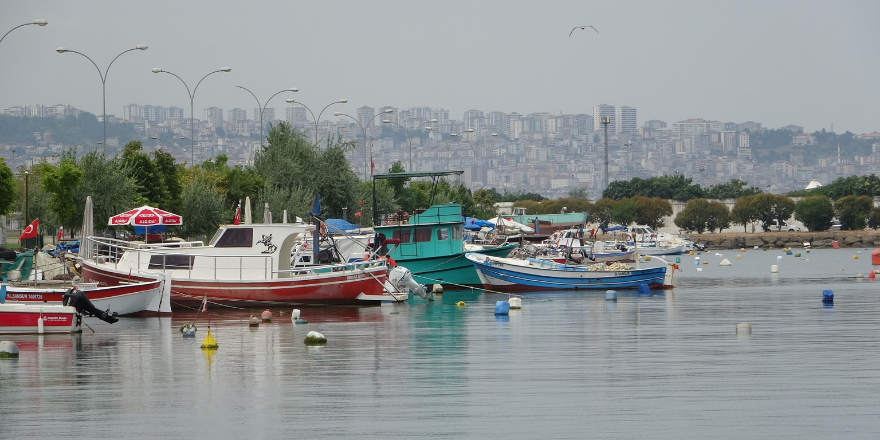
(60,232)
(31,230)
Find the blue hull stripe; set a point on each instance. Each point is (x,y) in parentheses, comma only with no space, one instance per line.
(634,279)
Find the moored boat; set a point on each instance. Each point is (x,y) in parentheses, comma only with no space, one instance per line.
(20,318)
(531,274)
(124,299)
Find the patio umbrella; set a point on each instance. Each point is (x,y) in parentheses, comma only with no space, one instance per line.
(147,217)
(88,226)
(247,210)
(267,216)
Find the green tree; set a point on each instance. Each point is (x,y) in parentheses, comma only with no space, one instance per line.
(61,183)
(625,211)
(485,205)
(7,187)
(111,186)
(651,211)
(815,212)
(143,171)
(745,211)
(170,177)
(853,211)
(874,218)
(578,193)
(733,189)
(601,211)
(719,216)
(702,215)
(202,208)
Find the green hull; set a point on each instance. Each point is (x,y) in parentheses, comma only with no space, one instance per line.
(449,269)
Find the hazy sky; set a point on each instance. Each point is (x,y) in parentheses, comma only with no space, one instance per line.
(808,63)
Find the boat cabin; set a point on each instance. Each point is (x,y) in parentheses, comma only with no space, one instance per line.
(439,230)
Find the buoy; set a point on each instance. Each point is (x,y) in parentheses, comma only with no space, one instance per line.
(502,308)
(696,262)
(460,304)
(437,289)
(315,338)
(765,249)
(788,252)
(705,262)
(678,260)
(835,244)
(8,349)
(699,269)
(744,327)
(827,296)
(301,321)
(266,316)
(871,275)
(855,257)
(294,315)
(756,247)
(696,258)
(779,258)
(797,254)
(718,255)
(610,295)
(739,257)
(742,249)
(644,289)
(808,251)
(209,341)
(647,258)
(40,328)
(188,330)
(515,303)
(774,268)
(254,321)
(725,262)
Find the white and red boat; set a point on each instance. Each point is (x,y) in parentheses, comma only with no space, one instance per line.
(38,318)
(126,298)
(242,265)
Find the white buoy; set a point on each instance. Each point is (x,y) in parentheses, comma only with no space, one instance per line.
(8,349)
(611,295)
(699,269)
(437,289)
(718,255)
(40,328)
(774,268)
(756,248)
(779,258)
(515,303)
(725,262)
(315,338)
(744,327)
(294,315)
(188,330)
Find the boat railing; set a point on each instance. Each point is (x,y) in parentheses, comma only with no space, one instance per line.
(333,269)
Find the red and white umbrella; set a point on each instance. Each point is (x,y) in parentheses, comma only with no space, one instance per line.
(146,216)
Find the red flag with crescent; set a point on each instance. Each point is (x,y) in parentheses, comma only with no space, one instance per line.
(237,218)
(60,232)
(31,230)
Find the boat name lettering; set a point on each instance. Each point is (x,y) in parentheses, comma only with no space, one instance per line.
(622,273)
(355,276)
(25,296)
(54,318)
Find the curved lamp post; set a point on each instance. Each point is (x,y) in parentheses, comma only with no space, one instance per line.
(103,80)
(408,142)
(341,101)
(38,22)
(192,97)
(156,138)
(263,108)
(364,131)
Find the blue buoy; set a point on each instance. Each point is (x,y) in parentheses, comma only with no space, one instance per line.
(644,289)
(502,307)
(611,295)
(788,252)
(828,297)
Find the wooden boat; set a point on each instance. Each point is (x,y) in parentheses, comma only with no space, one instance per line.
(20,318)
(531,274)
(242,265)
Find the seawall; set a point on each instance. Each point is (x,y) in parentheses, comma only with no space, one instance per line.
(795,240)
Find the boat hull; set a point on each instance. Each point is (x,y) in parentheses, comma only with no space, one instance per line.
(505,274)
(124,299)
(303,289)
(450,270)
(18,318)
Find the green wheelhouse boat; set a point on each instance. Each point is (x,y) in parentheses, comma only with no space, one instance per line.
(431,244)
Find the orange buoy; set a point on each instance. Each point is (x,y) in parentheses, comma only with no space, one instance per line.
(266,315)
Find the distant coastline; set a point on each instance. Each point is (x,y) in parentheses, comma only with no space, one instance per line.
(794,240)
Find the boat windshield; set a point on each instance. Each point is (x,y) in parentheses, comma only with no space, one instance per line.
(216,236)
(238,237)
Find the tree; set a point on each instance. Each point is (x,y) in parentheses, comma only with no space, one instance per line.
(701,215)
(651,211)
(201,207)
(853,211)
(745,211)
(815,212)
(61,183)
(770,207)
(143,171)
(719,216)
(624,211)
(111,186)
(485,205)
(578,193)
(7,187)
(733,189)
(601,211)
(874,218)
(170,178)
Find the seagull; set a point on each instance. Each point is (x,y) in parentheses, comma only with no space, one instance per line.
(582,27)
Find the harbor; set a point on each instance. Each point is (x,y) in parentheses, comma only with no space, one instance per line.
(666,364)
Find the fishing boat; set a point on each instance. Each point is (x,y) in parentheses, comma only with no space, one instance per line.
(242,265)
(21,318)
(514,274)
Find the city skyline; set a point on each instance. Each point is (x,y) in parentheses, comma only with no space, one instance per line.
(782,63)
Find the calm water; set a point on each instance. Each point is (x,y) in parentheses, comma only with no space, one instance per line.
(569,365)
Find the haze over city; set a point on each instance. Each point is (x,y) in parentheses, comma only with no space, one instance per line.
(804,63)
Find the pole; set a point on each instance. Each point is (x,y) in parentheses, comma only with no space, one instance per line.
(26,198)
(605,121)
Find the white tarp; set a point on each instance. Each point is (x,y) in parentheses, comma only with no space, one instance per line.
(509,224)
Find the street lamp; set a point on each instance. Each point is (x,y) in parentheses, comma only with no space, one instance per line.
(192,97)
(291,101)
(263,108)
(408,142)
(156,138)
(38,22)
(364,131)
(103,80)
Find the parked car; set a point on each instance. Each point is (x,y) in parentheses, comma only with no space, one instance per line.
(785,227)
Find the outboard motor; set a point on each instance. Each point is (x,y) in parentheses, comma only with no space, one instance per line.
(402,279)
(78,300)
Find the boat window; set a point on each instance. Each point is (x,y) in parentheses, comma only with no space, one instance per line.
(402,234)
(171,261)
(216,236)
(423,235)
(237,237)
(457,232)
(442,234)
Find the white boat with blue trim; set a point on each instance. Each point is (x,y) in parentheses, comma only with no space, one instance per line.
(533,274)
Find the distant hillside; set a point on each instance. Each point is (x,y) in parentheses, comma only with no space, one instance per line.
(80,130)
(773,145)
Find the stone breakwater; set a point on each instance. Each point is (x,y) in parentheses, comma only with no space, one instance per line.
(817,240)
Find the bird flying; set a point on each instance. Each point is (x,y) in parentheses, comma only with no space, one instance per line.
(582,27)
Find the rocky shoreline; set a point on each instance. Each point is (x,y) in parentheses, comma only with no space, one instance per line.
(817,240)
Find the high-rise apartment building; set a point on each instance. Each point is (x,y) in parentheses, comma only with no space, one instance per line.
(214,117)
(602,111)
(236,115)
(626,120)
(268,116)
(296,115)
(743,149)
(365,116)
(694,127)
(728,141)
